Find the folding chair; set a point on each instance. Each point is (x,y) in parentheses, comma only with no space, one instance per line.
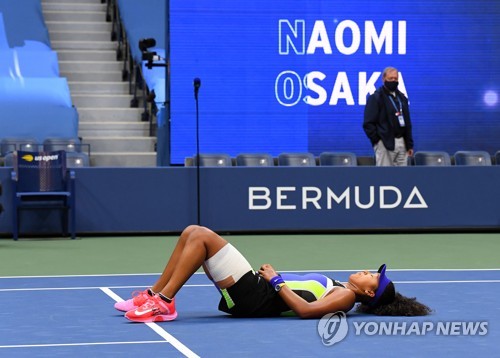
(40,182)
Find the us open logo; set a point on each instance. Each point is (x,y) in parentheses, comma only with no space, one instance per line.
(333,328)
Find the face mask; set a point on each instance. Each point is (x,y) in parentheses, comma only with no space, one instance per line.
(391,86)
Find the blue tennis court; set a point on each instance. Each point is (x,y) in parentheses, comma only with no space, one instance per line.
(74,315)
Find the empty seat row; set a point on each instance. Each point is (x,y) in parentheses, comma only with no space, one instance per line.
(77,154)
(284,159)
(73,160)
(8,145)
(422,158)
(439,158)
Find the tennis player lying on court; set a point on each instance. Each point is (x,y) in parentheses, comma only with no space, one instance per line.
(246,293)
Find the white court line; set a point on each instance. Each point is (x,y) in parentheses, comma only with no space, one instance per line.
(79,344)
(211,285)
(87,288)
(202,273)
(160,331)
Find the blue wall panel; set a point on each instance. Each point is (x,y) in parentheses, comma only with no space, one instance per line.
(142,200)
(253,58)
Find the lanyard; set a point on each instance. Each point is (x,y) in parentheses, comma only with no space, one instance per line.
(394,104)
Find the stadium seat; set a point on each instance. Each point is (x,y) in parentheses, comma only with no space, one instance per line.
(40,184)
(8,160)
(77,160)
(9,145)
(477,158)
(434,158)
(213,160)
(66,144)
(254,160)
(344,159)
(296,160)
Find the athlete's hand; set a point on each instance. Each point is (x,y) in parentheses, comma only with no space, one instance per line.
(268,272)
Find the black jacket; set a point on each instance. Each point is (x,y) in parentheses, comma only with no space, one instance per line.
(380,117)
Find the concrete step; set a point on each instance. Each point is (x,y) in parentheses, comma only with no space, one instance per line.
(120,144)
(73,6)
(84,56)
(55,26)
(98,87)
(75,16)
(131,160)
(98,36)
(113,129)
(110,114)
(101,100)
(111,76)
(83,45)
(90,66)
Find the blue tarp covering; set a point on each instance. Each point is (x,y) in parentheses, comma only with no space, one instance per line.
(50,91)
(23,24)
(34,101)
(38,121)
(17,63)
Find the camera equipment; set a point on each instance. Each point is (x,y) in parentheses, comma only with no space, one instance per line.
(149,56)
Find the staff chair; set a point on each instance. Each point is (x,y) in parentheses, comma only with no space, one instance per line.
(40,182)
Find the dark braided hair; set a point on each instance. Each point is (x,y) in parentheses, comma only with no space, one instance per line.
(399,306)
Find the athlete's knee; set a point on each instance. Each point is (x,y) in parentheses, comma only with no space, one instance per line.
(190,229)
(203,234)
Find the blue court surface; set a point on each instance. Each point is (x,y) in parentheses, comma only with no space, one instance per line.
(74,316)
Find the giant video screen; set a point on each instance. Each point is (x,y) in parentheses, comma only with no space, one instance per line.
(293,76)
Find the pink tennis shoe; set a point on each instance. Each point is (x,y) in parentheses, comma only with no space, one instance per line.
(153,310)
(137,300)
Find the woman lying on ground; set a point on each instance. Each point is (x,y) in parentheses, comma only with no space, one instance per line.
(265,293)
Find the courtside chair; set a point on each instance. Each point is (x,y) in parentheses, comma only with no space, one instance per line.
(343,159)
(66,144)
(77,160)
(432,158)
(296,160)
(9,145)
(8,160)
(254,160)
(40,181)
(497,158)
(213,160)
(476,158)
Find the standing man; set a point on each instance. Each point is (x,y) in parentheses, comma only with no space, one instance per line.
(387,122)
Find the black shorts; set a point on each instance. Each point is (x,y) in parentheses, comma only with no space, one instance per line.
(253,297)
